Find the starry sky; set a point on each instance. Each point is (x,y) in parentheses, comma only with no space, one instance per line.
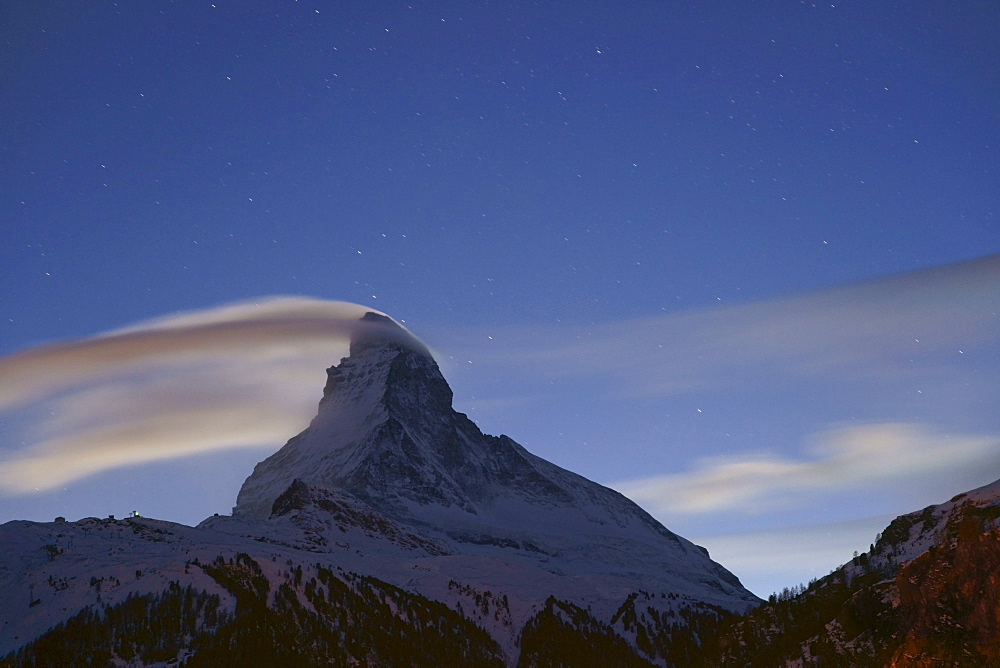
(736,260)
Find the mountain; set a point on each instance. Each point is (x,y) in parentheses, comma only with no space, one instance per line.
(392,521)
(924,594)
(387,436)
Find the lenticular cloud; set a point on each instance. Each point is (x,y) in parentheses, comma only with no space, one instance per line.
(239,375)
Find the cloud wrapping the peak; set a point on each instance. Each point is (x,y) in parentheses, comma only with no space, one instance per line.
(239,375)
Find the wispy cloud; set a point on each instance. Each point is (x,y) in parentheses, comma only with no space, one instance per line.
(896,327)
(883,457)
(269,328)
(239,375)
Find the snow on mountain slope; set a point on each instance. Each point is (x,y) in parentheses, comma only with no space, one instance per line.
(147,592)
(49,571)
(925,594)
(911,535)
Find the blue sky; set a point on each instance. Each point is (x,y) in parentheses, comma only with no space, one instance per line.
(551,195)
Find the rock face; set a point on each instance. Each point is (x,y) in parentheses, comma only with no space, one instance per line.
(387,436)
(925,594)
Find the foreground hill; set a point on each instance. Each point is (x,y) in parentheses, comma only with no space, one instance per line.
(925,594)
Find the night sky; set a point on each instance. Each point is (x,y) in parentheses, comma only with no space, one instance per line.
(736,260)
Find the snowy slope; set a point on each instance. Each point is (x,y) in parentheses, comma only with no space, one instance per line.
(911,535)
(925,594)
(50,571)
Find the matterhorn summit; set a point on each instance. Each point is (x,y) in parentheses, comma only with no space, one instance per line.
(386,436)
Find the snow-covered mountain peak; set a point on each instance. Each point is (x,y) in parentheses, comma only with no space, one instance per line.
(387,443)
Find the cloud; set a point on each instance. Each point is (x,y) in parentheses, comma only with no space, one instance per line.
(879,457)
(267,328)
(906,325)
(239,375)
